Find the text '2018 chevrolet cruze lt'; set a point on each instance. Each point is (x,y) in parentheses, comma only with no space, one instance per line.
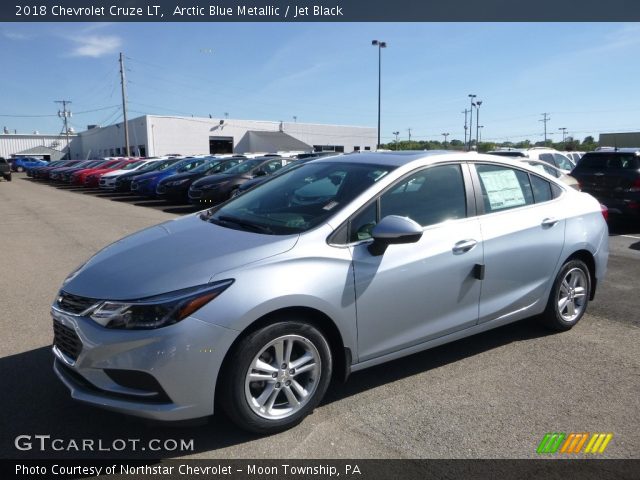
(332,267)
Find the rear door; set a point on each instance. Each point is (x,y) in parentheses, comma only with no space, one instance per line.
(523,235)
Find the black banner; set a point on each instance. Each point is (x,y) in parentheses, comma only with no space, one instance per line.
(325,469)
(318,11)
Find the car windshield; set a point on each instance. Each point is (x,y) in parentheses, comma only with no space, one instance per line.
(243,167)
(206,165)
(132,165)
(300,199)
(604,161)
(546,168)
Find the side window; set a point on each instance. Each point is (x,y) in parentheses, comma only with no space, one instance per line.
(430,196)
(541,189)
(361,225)
(547,157)
(504,188)
(273,166)
(562,162)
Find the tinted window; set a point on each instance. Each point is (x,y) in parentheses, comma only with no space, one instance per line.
(562,162)
(604,161)
(541,189)
(504,188)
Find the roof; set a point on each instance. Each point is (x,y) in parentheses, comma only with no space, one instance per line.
(402,157)
(40,150)
(256,141)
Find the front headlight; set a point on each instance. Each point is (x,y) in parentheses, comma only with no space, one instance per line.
(177,182)
(158,311)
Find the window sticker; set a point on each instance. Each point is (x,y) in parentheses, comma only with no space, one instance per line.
(503,189)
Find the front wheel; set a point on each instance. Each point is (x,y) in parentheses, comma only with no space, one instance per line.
(276,376)
(569,296)
(7,177)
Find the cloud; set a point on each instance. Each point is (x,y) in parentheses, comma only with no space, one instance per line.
(15,36)
(95,45)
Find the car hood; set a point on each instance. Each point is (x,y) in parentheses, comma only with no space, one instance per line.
(181,176)
(153,175)
(216,178)
(115,173)
(177,254)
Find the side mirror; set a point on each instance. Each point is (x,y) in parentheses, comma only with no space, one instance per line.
(394,229)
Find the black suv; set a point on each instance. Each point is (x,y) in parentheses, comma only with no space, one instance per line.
(613,177)
(5,169)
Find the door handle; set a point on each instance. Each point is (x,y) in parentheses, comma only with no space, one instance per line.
(549,222)
(464,246)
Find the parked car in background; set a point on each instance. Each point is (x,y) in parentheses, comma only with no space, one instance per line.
(93,179)
(45,173)
(21,164)
(338,265)
(176,187)
(108,180)
(146,184)
(258,180)
(5,169)
(34,172)
(123,182)
(214,189)
(57,174)
(574,156)
(79,177)
(68,172)
(549,155)
(553,171)
(613,177)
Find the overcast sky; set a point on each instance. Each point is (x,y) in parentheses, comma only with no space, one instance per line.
(585,75)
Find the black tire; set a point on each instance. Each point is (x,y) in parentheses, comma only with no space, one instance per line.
(7,177)
(234,391)
(578,295)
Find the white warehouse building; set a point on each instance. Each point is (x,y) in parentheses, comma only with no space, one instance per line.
(156,135)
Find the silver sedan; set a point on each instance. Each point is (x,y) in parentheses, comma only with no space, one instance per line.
(335,266)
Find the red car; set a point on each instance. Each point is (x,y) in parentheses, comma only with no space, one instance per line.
(79,177)
(93,179)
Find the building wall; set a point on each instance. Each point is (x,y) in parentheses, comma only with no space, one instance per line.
(109,141)
(622,140)
(164,135)
(13,143)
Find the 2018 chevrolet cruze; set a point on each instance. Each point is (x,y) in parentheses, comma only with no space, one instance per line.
(332,267)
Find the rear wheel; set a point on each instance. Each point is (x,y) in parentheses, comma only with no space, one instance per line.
(277,376)
(7,176)
(569,296)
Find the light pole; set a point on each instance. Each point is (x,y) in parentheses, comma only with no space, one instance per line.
(564,134)
(445,135)
(478,103)
(471,97)
(465,125)
(380,45)
(480,133)
(396,134)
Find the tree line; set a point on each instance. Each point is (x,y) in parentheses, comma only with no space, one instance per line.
(569,145)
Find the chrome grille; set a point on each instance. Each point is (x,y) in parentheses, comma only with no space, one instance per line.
(74,303)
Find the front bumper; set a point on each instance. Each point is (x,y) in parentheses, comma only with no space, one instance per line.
(184,359)
(107,183)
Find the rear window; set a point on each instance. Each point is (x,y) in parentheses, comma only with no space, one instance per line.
(609,161)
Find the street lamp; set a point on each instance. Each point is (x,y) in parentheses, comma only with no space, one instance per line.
(478,103)
(380,45)
(564,134)
(471,97)
(396,134)
(480,134)
(445,135)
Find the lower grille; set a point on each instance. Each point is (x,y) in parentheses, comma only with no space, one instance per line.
(66,340)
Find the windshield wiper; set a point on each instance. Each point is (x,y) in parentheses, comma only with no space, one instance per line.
(244,225)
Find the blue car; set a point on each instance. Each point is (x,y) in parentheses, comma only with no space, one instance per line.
(146,184)
(21,164)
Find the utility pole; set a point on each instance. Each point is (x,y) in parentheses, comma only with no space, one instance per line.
(564,134)
(409,130)
(465,125)
(545,119)
(124,105)
(445,135)
(65,115)
(396,134)
(480,138)
(380,45)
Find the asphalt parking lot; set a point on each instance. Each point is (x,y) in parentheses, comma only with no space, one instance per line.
(494,395)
